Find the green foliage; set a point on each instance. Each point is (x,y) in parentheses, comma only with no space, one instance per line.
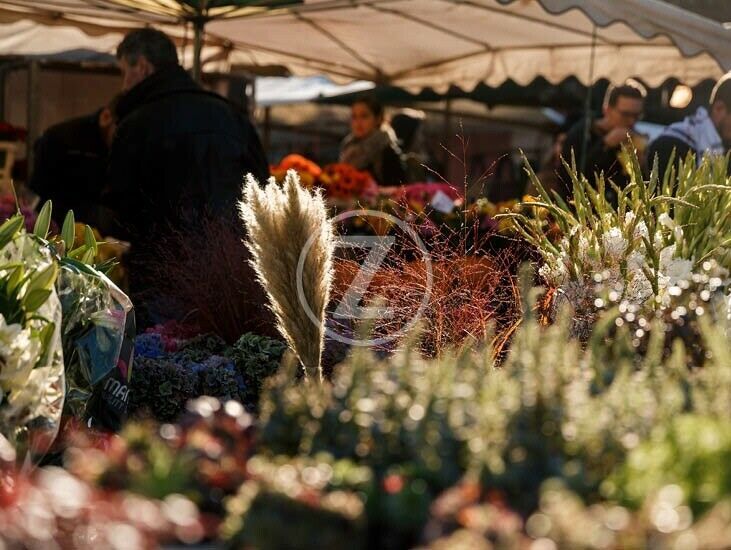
(553,409)
(218,380)
(158,470)
(43,221)
(301,503)
(160,387)
(256,358)
(379,413)
(68,231)
(199,348)
(692,452)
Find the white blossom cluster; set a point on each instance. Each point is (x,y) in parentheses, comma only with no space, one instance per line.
(622,257)
(19,353)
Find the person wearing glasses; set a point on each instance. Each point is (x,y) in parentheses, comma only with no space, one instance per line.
(707,131)
(622,109)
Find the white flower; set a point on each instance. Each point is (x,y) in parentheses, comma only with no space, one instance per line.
(614,243)
(635,261)
(554,273)
(666,256)
(19,353)
(666,221)
(639,288)
(678,270)
(641,232)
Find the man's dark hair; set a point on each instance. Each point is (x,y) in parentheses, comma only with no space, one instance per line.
(625,90)
(155,45)
(374,106)
(722,91)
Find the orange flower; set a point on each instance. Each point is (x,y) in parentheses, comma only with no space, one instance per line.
(343,180)
(308,171)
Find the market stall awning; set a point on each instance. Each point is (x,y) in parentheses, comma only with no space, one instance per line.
(438,43)
(94,15)
(435,43)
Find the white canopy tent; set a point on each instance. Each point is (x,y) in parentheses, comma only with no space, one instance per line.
(272,91)
(436,43)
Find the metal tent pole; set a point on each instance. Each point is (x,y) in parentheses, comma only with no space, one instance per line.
(587,105)
(198,25)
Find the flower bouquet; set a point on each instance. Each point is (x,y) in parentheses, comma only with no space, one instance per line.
(343,181)
(309,172)
(31,357)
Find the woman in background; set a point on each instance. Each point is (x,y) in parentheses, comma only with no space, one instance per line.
(372,145)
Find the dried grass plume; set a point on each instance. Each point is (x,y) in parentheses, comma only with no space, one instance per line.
(280,221)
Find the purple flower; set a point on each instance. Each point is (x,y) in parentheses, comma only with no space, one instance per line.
(149,345)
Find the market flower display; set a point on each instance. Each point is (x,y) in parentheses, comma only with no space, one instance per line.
(655,236)
(592,413)
(31,358)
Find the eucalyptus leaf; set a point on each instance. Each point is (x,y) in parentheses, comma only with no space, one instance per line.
(45,279)
(15,278)
(68,232)
(89,239)
(35,299)
(9,229)
(43,222)
(88,257)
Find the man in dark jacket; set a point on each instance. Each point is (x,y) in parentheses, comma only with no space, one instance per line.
(706,131)
(623,106)
(70,166)
(180,153)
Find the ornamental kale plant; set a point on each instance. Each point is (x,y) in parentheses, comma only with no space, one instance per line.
(256,358)
(161,388)
(200,366)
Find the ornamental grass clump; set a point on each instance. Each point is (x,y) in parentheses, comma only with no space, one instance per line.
(291,241)
(657,234)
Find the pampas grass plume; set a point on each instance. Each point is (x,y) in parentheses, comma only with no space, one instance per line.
(279,223)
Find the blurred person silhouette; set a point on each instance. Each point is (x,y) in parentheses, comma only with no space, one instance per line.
(70,166)
(408,125)
(622,109)
(179,157)
(550,169)
(708,130)
(372,144)
(504,185)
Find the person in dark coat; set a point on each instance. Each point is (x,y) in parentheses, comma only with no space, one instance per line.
(70,166)
(180,154)
(372,144)
(623,107)
(706,131)
(180,151)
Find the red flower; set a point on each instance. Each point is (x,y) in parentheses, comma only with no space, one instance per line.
(393,484)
